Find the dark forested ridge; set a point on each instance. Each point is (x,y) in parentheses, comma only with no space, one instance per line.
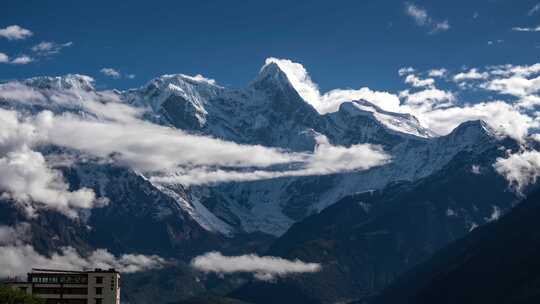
(496,263)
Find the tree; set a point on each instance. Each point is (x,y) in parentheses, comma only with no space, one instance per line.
(10,295)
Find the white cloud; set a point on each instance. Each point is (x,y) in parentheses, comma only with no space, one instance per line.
(526,29)
(27,179)
(514,70)
(15,32)
(406,70)
(417,82)
(110,72)
(441,26)
(475,169)
(437,72)
(422,18)
(472,74)
(492,42)
(200,78)
(17,234)
(263,268)
(23,59)
(426,100)
(326,159)
(501,116)
(148,147)
(515,85)
(529,102)
(19,92)
(46,48)
(495,214)
(116,75)
(4,58)
(17,258)
(520,169)
(418,14)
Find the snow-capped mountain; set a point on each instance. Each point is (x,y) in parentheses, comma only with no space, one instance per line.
(269,112)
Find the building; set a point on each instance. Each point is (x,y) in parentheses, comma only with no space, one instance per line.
(72,287)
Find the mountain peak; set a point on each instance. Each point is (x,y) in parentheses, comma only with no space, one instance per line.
(474,127)
(271,72)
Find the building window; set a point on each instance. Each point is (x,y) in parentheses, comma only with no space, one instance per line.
(99,290)
(99,280)
(99,301)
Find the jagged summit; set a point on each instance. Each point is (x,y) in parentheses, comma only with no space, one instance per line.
(473,128)
(272,77)
(194,89)
(69,81)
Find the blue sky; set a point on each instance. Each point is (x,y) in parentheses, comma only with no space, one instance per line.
(341,43)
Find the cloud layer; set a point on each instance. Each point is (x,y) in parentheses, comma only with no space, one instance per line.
(263,268)
(326,159)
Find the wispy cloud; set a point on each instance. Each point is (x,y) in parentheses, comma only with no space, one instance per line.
(527,29)
(47,48)
(535,9)
(116,74)
(418,82)
(438,72)
(405,71)
(110,72)
(20,60)
(423,19)
(472,74)
(23,59)
(492,42)
(263,268)
(15,32)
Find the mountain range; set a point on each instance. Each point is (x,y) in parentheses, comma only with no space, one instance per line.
(365,227)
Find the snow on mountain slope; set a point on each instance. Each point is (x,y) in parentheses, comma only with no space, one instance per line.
(272,112)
